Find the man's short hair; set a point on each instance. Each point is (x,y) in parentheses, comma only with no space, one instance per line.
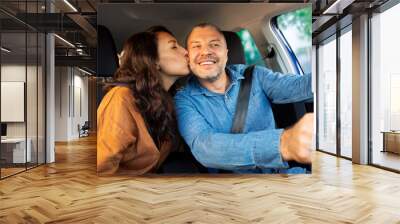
(203,25)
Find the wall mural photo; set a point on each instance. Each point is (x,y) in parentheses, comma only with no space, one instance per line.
(187,90)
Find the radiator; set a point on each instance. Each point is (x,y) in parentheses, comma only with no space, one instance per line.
(391,141)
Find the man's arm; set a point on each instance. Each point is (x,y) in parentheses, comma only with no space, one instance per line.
(284,88)
(225,150)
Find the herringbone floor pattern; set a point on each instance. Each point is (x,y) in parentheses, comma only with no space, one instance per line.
(70,192)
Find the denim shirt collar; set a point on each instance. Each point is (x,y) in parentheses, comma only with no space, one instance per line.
(197,89)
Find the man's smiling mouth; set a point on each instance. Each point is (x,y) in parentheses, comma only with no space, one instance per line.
(207,62)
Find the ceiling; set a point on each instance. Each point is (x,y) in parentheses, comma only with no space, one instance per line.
(77,24)
(179,18)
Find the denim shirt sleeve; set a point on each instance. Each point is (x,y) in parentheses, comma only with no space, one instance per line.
(284,88)
(225,150)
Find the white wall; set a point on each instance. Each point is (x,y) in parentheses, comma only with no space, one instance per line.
(71,94)
(16,73)
(33,127)
(81,113)
(61,103)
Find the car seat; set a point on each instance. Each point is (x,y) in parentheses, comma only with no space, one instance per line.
(107,58)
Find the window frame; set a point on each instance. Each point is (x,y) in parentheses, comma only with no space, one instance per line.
(371,15)
(282,39)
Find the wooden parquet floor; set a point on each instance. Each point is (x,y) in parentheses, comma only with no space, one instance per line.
(10,171)
(70,192)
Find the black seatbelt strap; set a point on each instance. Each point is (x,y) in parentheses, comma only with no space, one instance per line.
(242,101)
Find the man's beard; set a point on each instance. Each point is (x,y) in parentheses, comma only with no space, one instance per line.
(210,78)
(213,78)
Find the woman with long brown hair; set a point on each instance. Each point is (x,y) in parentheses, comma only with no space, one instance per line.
(136,118)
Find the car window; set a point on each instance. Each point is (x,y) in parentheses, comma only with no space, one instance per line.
(295,30)
(251,53)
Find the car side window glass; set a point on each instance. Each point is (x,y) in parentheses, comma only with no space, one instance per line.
(251,53)
(296,30)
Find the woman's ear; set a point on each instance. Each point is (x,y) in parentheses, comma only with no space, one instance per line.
(158,66)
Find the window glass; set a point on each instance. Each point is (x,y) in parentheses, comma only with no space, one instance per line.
(251,52)
(327,97)
(346,93)
(385,89)
(296,28)
(15,150)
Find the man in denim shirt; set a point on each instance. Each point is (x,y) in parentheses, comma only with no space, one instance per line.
(206,108)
